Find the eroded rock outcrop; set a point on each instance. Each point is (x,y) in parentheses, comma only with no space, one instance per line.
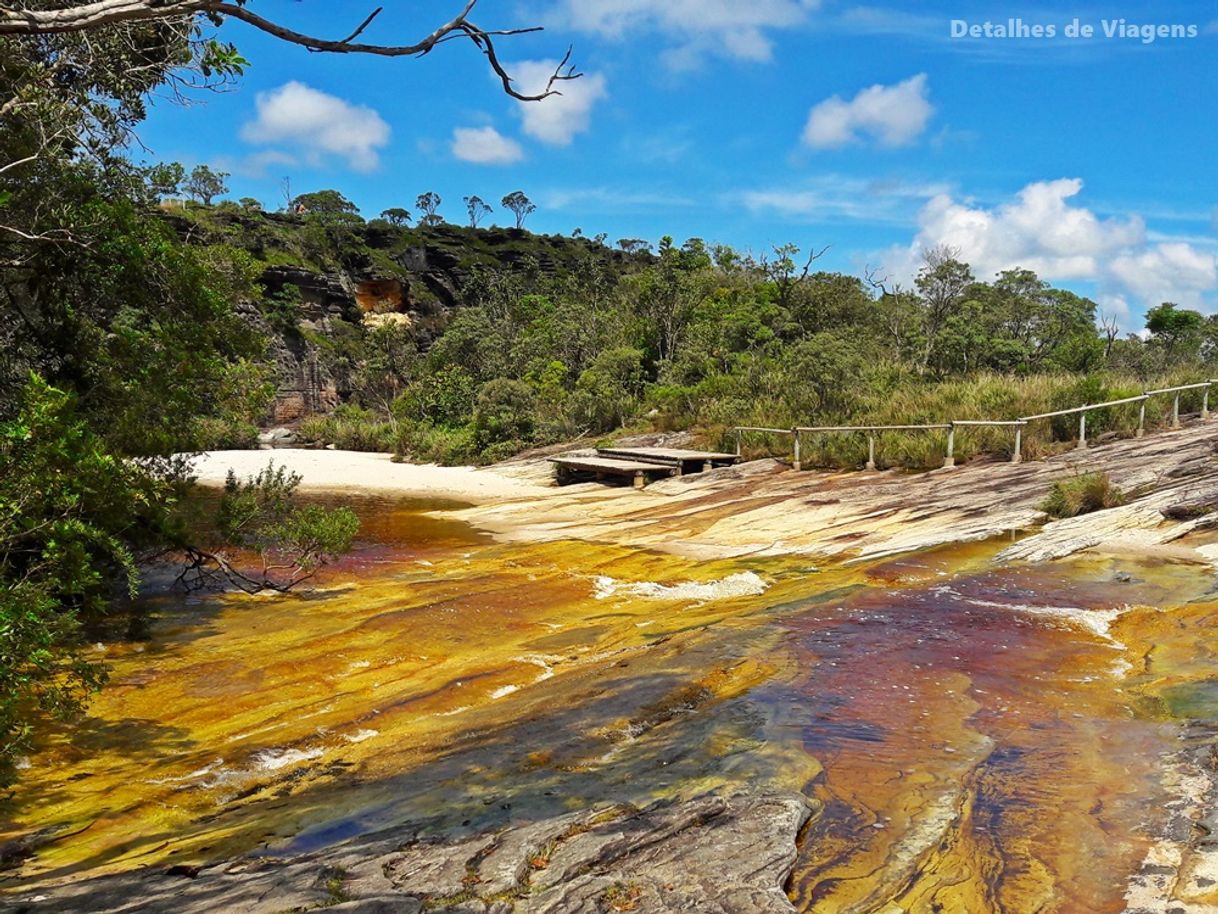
(711,855)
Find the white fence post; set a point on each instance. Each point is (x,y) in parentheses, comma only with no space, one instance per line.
(1018,456)
(871,451)
(797,463)
(1175,411)
(1141,419)
(1082,431)
(950,460)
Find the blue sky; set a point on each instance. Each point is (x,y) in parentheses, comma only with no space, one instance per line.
(865,127)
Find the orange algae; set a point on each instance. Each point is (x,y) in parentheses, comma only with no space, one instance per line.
(974,738)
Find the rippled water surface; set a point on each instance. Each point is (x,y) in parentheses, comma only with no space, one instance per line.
(979,738)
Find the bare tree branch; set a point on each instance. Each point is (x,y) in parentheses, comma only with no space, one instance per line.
(16,20)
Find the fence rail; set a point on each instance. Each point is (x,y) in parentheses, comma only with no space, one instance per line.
(1017,424)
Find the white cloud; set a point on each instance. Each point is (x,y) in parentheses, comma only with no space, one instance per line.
(485,146)
(728,28)
(834,197)
(318,124)
(1042,230)
(557,119)
(612,200)
(893,115)
(1173,271)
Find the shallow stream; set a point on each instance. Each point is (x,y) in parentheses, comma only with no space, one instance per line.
(981,738)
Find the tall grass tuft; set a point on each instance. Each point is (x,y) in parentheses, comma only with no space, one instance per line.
(1082,495)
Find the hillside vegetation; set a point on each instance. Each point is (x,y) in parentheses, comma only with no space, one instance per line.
(544,339)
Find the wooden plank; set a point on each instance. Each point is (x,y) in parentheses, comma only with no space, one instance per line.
(607,465)
(666,454)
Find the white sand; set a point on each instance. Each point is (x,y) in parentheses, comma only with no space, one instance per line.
(375,473)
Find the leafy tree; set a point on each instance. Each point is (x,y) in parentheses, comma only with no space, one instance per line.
(205,185)
(1171,326)
(520,206)
(429,203)
(609,390)
(397,216)
(166,179)
(73,514)
(941,284)
(250,204)
(503,414)
(327,203)
(634,245)
(477,209)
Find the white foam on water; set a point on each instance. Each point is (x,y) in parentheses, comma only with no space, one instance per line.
(274,759)
(361,736)
(454,712)
(193,776)
(539,660)
(1096,621)
(358,665)
(503,692)
(741,584)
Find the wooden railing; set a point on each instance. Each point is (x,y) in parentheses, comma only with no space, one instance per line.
(1018,425)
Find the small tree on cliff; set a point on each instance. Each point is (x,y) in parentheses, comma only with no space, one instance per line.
(477,209)
(429,203)
(520,205)
(205,185)
(326,203)
(165,179)
(395,215)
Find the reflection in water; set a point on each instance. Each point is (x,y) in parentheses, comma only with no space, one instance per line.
(980,739)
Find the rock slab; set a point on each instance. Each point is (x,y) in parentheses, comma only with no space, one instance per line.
(711,855)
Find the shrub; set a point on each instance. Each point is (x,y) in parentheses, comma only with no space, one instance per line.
(435,444)
(504,414)
(1081,495)
(351,428)
(225,435)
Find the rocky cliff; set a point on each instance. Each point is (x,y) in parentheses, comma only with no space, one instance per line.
(350,276)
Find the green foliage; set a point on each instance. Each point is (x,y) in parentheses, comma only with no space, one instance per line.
(477,209)
(165,179)
(72,516)
(350,428)
(283,310)
(1081,495)
(520,206)
(396,216)
(429,202)
(504,415)
(293,541)
(204,184)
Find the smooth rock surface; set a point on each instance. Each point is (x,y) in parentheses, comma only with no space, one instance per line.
(712,855)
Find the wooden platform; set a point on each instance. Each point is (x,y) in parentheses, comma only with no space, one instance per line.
(686,461)
(642,464)
(570,469)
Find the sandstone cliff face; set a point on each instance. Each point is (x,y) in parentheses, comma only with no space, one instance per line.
(419,277)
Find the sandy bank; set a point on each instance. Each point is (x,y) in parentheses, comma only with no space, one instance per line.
(352,471)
